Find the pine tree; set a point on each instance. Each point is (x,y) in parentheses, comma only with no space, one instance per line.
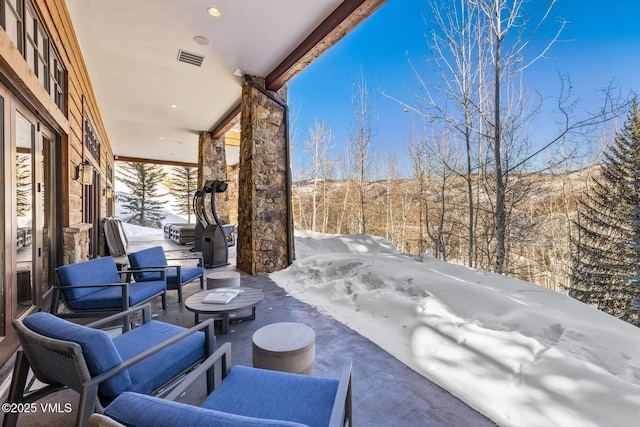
(142,204)
(606,248)
(184,181)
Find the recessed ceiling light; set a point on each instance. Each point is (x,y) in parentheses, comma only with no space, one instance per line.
(162,137)
(173,106)
(213,11)
(201,40)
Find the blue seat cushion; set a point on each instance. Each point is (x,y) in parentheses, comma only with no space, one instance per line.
(154,371)
(99,352)
(132,409)
(111,297)
(261,393)
(187,273)
(93,272)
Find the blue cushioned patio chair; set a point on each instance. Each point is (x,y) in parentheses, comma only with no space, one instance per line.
(94,288)
(153,258)
(149,359)
(246,397)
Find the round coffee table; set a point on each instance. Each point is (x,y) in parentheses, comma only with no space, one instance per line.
(286,346)
(248,299)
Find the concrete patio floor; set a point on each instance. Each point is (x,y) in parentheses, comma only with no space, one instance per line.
(385,391)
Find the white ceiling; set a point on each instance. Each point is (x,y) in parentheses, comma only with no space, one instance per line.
(131,48)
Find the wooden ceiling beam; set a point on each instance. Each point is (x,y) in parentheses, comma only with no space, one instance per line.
(342,20)
(154,161)
(338,24)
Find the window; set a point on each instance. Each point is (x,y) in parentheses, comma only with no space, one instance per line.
(11,12)
(57,82)
(24,26)
(91,140)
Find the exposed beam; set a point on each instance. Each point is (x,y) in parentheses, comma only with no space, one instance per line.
(227,123)
(342,20)
(154,161)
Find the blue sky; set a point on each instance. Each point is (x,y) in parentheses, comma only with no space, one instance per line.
(602,41)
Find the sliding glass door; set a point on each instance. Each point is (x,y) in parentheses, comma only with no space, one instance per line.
(26,213)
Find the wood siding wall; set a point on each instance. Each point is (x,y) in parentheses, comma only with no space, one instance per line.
(81,100)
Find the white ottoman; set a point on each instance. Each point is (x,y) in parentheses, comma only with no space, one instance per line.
(223,279)
(286,346)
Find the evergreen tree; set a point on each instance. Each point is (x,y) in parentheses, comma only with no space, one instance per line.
(142,204)
(606,248)
(184,181)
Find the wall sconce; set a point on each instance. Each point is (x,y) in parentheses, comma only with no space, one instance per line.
(84,173)
(108,192)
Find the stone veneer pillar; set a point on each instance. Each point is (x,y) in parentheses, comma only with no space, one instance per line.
(211,158)
(264,221)
(76,243)
(212,162)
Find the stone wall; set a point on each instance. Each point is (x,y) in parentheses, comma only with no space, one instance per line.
(211,158)
(262,201)
(76,243)
(213,165)
(230,206)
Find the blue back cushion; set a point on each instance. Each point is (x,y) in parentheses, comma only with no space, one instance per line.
(99,352)
(93,272)
(132,409)
(152,257)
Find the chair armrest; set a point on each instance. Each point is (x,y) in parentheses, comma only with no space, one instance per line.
(342,402)
(222,355)
(198,258)
(148,268)
(99,285)
(146,316)
(91,386)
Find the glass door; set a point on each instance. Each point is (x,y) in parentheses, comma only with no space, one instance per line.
(6,340)
(26,216)
(26,210)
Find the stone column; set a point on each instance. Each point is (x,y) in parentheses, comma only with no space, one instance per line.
(212,164)
(212,159)
(263,215)
(76,243)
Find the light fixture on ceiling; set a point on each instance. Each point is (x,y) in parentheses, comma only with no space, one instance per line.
(84,173)
(213,11)
(201,40)
(174,106)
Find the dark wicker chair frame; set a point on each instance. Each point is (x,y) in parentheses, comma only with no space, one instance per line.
(341,415)
(61,364)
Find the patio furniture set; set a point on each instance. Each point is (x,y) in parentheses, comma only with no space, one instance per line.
(134,378)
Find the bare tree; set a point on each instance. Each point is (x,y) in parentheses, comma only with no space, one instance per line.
(318,145)
(359,144)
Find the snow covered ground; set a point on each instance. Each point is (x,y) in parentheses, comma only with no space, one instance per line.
(516,352)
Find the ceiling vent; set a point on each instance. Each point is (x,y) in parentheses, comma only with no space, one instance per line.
(190,58)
